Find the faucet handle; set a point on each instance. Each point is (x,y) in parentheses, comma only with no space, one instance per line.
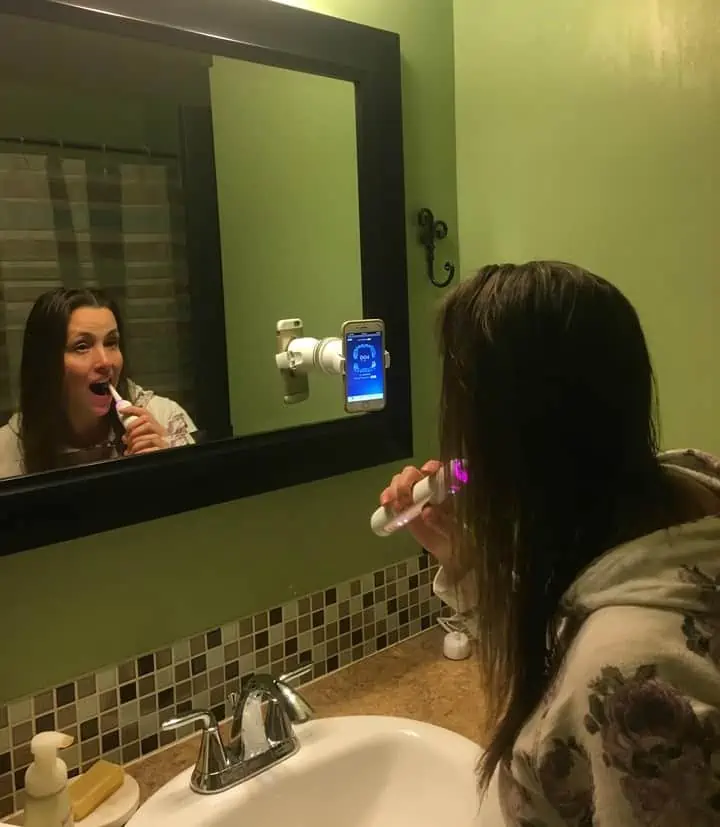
(212,758)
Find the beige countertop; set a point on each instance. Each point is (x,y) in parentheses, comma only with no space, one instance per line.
(411,680)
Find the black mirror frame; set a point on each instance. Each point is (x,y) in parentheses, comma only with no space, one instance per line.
(58,506)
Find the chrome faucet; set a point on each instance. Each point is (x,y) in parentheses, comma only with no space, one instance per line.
(261,732)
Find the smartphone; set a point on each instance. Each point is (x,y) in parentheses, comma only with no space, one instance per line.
(364,351)
(296,385)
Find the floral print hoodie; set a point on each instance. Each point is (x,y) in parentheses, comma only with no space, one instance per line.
(629,734)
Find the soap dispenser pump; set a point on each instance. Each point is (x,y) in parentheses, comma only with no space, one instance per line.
(47,801)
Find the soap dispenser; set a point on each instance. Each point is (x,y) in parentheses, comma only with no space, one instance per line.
(47,801)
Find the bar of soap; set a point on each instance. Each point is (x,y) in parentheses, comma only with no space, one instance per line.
(93,787)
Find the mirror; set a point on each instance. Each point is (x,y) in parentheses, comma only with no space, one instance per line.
(209,168)
(104,141)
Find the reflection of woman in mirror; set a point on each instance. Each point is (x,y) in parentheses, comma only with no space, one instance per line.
(72,350)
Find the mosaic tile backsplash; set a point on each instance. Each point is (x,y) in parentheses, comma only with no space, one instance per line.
(115,713)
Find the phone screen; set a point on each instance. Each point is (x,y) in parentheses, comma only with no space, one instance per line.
(365,367)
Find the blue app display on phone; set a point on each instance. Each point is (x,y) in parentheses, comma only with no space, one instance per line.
(365,366)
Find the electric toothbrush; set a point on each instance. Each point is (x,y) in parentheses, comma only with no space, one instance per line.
(120,405)
(430,490)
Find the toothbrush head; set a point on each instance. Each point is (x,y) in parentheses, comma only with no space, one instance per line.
(115,395)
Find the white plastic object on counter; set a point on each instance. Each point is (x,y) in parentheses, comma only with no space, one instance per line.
(47,802)
(456,644)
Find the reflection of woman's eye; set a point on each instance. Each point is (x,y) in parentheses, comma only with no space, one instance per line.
(80,347)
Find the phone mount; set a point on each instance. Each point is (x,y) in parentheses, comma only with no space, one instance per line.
(298,355)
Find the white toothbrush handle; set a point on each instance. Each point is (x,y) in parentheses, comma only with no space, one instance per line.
(429,489)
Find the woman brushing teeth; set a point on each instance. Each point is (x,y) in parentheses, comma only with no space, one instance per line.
(72,354)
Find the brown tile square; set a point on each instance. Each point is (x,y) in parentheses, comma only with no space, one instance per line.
(217,695)
(89,729)
(129,733)
(318,636)
(246,645)
(22,756)
(344,643)
(262,658)
(213,639)
(199,683)
(319,669)
(167,738)
(245,627)
(146,685)
(43,703)
(197,645)
(65,694)
(402,570)
(368,616)
(292,663)
(357,653)
(66,716)
(391,574)
(414,612)
(146,664)
(90,750)
(391,590)
(356,621)
(217,676)
(72,731)
(148,704)
(344,608)
(6,785)
(304,623)
(86,686)
(46,723)
(291,628)
(304,606)
(379,578)
(126,672)
(183,691)
(163,658)
(260,622)
(7,806)
(131,752)
(332,647)
(380,594)
(331,630)
(355,588)
(276,652)
(403,601)
(109,721)
(22,733)
(381,627)
(182,671)
(3,717)
(231,651)
(108,700)
(316,602)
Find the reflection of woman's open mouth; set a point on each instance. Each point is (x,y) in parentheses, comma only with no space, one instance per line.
(100,388)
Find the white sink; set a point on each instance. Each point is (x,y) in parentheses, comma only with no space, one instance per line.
(364,771)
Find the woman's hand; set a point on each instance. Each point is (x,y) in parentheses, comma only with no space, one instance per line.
(145,434)
(433,527)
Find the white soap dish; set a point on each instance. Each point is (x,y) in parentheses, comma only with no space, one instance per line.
(115,811)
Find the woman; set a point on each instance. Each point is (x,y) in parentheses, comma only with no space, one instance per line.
(591,562)
(72,350)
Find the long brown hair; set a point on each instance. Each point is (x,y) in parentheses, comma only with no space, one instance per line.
(549,396)
(43,422)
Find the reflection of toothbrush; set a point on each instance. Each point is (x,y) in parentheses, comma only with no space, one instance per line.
(430,490)
(120,405)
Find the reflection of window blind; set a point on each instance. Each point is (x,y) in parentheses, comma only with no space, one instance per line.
(96,219)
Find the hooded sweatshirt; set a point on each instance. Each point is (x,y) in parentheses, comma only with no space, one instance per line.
(629,733)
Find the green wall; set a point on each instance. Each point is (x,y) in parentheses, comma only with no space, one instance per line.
(286,158)
(591,132)
(77,606)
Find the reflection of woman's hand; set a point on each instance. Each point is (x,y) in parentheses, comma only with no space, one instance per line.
(145,434)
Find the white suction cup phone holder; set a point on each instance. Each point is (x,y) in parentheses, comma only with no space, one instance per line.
(298,355)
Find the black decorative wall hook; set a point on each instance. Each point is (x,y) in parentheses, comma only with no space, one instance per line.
(430,232)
